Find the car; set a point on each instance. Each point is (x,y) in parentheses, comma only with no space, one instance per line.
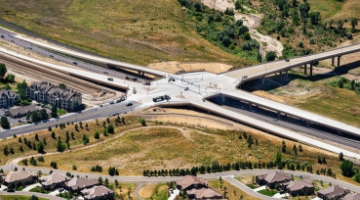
(147,83)
(12,40)
(167,97)
(171,191)
(111,102)
(29,47)
(51,56)
(2,36)
(129,104)
(75,63)
(10,190)
(127,78)
(110,79)
(116,113)
(134,79)
(122,98)
(61,189)
(106,73)
(186,88)
(282,192)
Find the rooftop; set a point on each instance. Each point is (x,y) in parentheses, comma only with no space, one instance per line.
(96,191)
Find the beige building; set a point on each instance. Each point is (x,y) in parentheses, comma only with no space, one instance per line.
(299,187)
(332,193)
(190,182)
(204,193)
(20,177)
(272,178)
(98,193)
(53,180)
(48,93)
(78,184)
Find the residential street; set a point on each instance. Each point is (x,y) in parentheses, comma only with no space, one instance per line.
(30,194)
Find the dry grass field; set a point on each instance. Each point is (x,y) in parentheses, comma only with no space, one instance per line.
(135,31)
(332,9)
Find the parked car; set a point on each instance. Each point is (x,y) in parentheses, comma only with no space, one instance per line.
(10,190)
(129,104)
(2,36)
(123,98)
(127,78)
(110,79)
(134,79)
(75,63)
(51,56)
(167,97)
(187,88)
(29,47)
(61,189)
(287,59)
(106,73)
(111,102)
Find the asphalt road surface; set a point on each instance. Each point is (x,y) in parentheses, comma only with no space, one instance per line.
(69,60)
(303,129)
(93,113)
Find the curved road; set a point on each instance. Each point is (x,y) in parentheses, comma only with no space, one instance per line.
(46,196)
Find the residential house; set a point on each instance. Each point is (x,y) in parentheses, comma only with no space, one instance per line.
(190,182)
(20,177)
(98,193)
(351,197)
(48,93)
(20,111)
(332,193)
(299,187)
(204,193)
(78,184)
(53,180)
(272,179)
(8,98)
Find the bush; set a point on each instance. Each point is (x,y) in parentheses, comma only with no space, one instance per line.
(270,56)
(97,135)
(110,128)
(143,122)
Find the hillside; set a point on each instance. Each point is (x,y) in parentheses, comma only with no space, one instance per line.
(140,32)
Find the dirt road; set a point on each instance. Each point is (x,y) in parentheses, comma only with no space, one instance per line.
(267,43)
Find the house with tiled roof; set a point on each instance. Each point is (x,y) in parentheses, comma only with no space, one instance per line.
(204,193)
(299,187)
(54,180)
(48,93)
(20,177)
(349,196)
(98,193)
(190,182)
(332,193)
(78,184)
(272,178)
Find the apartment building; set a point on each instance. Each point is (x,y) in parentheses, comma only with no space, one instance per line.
(48,93)
(8,98)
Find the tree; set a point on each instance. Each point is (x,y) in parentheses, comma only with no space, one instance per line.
(340,24)
(270,56)
(4,122)
(36,137)
(7,86)
(76,127)
(62,86)
(106,183)
(341,156)
(143,122)
(3,70)
(300,148)
(278,158)
(241,197)
(53,135)
(354,22)
(22,88)
(304,9)
(74,167)
(60,146)
(295,17)
(100,180)
(6,151)
(229,11)
(54,111)
(250,141)
(10,78)
(40,147)
(97,135)
(347,168)
(110,128)
(238,5)
(21,148)
(33,197)
(295,149)
(43,114)
(283,147)
(315,18)
(85,139)
(116,183)
(323,160)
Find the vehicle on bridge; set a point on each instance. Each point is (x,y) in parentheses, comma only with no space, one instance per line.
(129,104)
(110,79)
(159,98)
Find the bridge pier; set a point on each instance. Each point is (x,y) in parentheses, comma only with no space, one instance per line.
(332,61)
(250,106)
(280,72)
(287,74)
(263,80)
(311,68)
(305,71)
(338,61)
(307,123)
(279,114)
(222,100)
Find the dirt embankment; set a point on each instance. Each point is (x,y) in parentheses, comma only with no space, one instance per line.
(267,43)
(177,67)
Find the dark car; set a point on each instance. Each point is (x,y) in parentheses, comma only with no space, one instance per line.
(29,47)
(51,56)
(10,190)
(129,104)
(287,59)
(106,73)
(75,63)
(127,78)
(2,36)
(122,99)
(167,97)
(134,79)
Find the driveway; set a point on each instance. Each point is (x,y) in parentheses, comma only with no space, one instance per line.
(174,194)
(28,188)
(260,188)
(56,192)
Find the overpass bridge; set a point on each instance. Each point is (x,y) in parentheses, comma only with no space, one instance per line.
(260,71)
(95,59)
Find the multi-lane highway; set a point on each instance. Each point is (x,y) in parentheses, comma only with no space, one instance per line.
(93,113)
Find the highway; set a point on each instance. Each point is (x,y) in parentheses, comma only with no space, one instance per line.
(93,113)
(68,60)
(284,122)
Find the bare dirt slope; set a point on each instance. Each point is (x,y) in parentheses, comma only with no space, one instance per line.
(267,43)
(176,67)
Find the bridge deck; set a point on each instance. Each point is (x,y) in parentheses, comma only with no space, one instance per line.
(259,71)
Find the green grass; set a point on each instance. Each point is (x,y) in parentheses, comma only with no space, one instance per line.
(327,8)
(162,192)
(252,186)
(134,31)
(38,189)
(61,112)
(269,193)
(17,197)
